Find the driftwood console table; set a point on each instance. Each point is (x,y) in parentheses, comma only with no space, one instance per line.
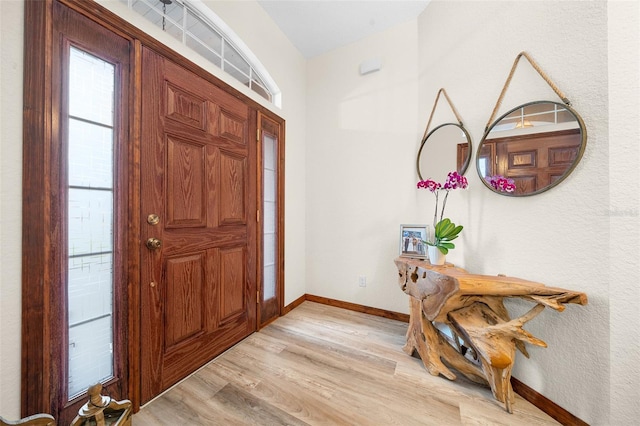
(483,337)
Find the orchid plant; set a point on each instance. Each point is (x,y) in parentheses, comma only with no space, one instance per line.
(501,183)
(445,230)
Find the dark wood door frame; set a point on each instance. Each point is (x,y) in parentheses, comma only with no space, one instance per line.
(272,308)
(39,271)
(46,113)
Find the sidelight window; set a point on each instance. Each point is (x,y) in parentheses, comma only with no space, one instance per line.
(90,220)
(270,185)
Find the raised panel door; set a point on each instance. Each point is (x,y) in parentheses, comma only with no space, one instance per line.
(198,279)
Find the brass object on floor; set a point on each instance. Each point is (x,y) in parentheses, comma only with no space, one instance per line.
(103,411)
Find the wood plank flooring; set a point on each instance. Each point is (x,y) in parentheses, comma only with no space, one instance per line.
(322,365)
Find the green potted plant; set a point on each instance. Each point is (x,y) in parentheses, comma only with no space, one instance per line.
(445,231)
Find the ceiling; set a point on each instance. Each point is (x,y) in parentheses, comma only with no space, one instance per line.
(318,26)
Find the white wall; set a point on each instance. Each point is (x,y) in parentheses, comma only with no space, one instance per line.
(624,209)
(361,146)
(560,237)
(363,134)
(11,18)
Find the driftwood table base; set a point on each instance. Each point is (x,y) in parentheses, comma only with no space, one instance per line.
(482,337)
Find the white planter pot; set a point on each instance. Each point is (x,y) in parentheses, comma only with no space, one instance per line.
(435,255)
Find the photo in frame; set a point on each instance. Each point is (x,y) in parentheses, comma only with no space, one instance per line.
(412,241)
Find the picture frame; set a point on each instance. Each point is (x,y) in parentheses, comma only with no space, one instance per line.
(412,241)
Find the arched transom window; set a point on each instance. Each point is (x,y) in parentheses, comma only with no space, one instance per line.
(201,30)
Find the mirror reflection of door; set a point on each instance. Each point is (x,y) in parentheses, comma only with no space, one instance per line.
(536,144)
(486,159)
(446,148)
(537,161)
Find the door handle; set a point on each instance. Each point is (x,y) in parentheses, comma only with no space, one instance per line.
(153,219)
(153,244)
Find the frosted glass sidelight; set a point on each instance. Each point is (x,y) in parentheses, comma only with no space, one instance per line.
(269,153)
(91,162)
(269,217)
(89,287)
(269,282)
(269,249)
(269,223)
(90,219)
(90,322)
(90,354)
(269,185)
(91,88)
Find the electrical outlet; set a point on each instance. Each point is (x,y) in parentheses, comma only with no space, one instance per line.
(362,281)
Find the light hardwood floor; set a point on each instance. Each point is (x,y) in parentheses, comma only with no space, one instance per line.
(321,365)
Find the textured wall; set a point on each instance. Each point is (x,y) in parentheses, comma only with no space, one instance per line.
(361,146)
(361,181)
(559,237)
(11,18)
(624,209)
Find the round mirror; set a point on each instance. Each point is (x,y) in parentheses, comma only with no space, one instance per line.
(444,149)
(534,147)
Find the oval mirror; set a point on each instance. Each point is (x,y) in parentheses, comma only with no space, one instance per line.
(535,146)
(444,149)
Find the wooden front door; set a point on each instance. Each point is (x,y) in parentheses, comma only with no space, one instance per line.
(198,230)
(537,160)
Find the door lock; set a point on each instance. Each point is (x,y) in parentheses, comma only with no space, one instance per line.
(153,219)
(153,243)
